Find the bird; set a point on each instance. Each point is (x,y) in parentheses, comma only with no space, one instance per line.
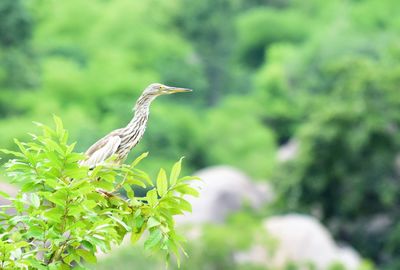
(121,141)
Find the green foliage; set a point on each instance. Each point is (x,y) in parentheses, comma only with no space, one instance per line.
(15,27)
(209,25)
(260,28)
(278,105)
(232,131)
(349,150)
(65,213)
(18,69)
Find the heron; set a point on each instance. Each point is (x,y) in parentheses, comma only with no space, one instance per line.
(121,141)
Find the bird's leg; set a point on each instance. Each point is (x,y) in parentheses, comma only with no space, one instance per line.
(105,193)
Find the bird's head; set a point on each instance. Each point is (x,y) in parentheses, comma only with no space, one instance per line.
(157,89)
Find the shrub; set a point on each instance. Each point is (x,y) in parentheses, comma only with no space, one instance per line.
(65,213)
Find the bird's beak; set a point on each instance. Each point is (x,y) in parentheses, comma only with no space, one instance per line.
(171,89)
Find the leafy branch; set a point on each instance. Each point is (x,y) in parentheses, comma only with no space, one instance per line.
(61,219)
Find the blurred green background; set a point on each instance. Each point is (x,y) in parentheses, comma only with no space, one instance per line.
(322,74)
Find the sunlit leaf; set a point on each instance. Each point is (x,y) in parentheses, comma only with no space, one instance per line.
(4,195)
(188,190)
(135,236)
(87,255)
(162,184)
(53,214)
(138,159)
(152,222)
(129,191)
(154,238)
(120,222)
(152,197)
(189,178)
(176,170)
(184,205)
(35,200)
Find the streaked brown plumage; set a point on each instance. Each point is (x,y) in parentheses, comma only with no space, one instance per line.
(120,141)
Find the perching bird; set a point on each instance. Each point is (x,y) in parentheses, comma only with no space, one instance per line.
(120,141)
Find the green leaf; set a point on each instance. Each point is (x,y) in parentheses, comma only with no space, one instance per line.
(184,205)
(187,190)
(35,231)
(105,185)
(175,211)
(120,222)
(108,176)
(35,200)
(139,158)
(133,181)
(152,222)
(162,184)
(21,244)
(135,236)
(142,175)
(87,255)
(176,170)
(75,210)
(57,120)
(88,245)
(154,238)
(52,145)
(189,178)
(4,195)
(129,191)
(139,222)
(152,197)
(29,186)
(19,205)
(169,202)
(54,214)
(63,266)
(57,201)
(60,195)
(70,148)
(60,131)
(137,213)
(21,147)
(89,204)
(85,189)
(8,152)
(76,173)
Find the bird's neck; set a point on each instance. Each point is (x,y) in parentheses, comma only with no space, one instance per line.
(143,103)
(139,120)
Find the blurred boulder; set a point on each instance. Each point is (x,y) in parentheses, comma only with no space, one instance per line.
(224,190)
(302,240)
(288,151)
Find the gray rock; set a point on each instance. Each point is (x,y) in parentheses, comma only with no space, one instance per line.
(223,191)
(300,239)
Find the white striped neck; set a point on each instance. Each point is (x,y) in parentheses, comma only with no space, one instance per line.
(135,129)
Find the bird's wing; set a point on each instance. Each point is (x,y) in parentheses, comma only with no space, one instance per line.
(101,150)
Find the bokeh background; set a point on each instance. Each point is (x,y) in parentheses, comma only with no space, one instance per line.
(301,97)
